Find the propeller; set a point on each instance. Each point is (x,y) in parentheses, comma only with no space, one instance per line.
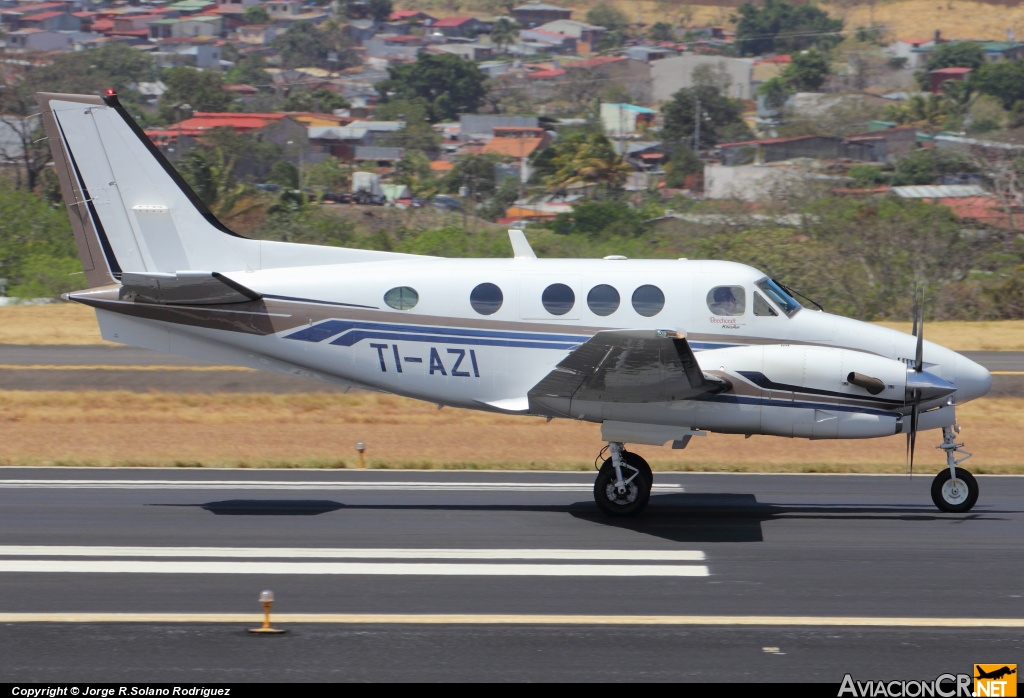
(916,392)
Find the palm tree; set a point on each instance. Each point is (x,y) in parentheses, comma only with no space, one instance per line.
(504,32)
(589,160)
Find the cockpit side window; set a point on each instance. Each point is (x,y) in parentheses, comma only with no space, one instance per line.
(727,300)
(786,302)
(762,307)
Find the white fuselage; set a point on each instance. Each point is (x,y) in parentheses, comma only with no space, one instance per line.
(445,351)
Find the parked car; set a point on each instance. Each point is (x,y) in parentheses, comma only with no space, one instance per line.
(446,203)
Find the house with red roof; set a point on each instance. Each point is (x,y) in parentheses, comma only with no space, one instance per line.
(461,27)
(11,17)
(412,17)
(51,20)
(943,75)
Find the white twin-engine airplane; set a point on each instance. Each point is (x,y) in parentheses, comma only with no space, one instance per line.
(657,351)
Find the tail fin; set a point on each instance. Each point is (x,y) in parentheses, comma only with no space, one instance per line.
(132,212)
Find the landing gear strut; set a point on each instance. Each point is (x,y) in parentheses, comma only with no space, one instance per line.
(623,485)
(954,490)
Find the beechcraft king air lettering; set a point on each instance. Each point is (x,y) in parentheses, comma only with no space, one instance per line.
(656,351)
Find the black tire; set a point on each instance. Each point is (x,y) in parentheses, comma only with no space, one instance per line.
(638,491)
(952,499)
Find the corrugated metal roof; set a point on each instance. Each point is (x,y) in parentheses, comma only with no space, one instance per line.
(944,191)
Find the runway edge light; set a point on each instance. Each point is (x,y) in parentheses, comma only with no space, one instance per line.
(267,599)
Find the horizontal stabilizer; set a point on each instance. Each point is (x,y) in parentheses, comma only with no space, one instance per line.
(634,366)
(184,288)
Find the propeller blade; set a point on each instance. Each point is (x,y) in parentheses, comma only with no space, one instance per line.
(912,436)
(917,302)
(919,333)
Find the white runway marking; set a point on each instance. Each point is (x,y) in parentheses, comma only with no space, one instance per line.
(418,486)
(478,562)
(352,553)
(506,619)
(368,568)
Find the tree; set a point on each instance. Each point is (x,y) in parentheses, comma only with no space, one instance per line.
(504,33)
(306,45)
(1003,80)
(661,31)
(25,148)
(609,17)
(775,92)
(585,158)
(285,174)
(780,27)
(808,71)
(257,14)
(413,170)
(37,249)
(600,220)
(928,166)
(719,116)
(200,90)
(477,173)
(323,101)
(682,162)
(380,10)
(447,85)
(250,68)
(956,54)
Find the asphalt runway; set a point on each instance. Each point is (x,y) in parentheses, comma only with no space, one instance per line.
(99,367)
(153,575)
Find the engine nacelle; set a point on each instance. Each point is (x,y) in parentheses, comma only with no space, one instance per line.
(805,391)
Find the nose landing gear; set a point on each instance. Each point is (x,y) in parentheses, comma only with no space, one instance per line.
(954,490)
(623,485)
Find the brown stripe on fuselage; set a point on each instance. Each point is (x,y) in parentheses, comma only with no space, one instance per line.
(271,316)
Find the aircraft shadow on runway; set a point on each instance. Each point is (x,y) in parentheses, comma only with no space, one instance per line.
(681,517)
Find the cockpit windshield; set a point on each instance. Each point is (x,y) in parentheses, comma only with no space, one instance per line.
(786,302)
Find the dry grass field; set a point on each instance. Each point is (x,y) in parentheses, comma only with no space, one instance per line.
(71,323)
(900,18)
(321,430)
(104,428)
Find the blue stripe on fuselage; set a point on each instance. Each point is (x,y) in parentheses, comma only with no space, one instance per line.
(370,330)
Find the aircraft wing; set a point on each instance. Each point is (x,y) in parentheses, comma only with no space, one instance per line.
(184,288)
(633,366)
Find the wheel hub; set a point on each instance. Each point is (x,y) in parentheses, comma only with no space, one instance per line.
(955,491)
(627,496)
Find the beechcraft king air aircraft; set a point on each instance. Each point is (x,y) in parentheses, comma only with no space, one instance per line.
(656,351)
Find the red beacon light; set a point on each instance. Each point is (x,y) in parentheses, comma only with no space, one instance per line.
(111,92)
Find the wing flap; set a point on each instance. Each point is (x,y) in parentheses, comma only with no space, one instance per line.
(632,366)
(184,288)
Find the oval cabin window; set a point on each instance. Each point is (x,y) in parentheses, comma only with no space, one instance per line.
(486,299)
(402,298)
(603,300)
(648,300)
(558,299)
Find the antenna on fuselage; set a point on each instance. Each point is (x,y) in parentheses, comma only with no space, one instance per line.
(520,245)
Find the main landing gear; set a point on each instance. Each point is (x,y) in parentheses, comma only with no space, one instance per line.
(623,485)
(954,490)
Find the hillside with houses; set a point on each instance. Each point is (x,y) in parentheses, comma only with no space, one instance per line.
(304,120)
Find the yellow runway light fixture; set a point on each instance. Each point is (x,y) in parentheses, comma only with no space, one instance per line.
(361,447)
(267,599)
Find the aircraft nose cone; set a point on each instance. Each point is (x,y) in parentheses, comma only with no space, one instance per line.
(972,380)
